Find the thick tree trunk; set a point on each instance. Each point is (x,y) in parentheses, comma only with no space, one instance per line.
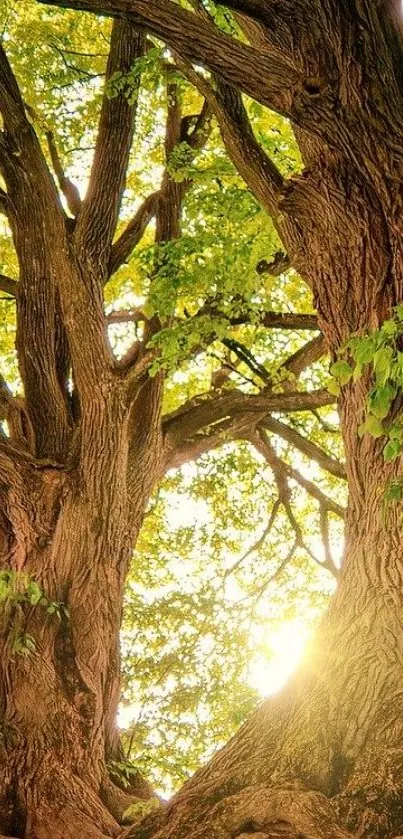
(58,703)
(324,758)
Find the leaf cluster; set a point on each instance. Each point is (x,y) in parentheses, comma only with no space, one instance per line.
(18,590)
(379,355)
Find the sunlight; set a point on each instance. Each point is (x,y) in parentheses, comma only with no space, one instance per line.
(284,647)
(128,715)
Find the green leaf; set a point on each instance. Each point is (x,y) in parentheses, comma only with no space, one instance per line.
(394,492)
(389,327)
(364,349)
(334,387)
(382,364)
(342,371)
(34,593)
(380,400)
(372,426)
(392,450)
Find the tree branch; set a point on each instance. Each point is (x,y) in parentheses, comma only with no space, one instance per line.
(305,356)
(67,186)
(259,542)
(194,132)
(314,490)
(38,225)
(284,494)
(275,320)
(267,77)
(11,102)
(57,293)
(8,285)
(178,453)
(202,412)
(256,9)
(100,207)
(259,441)
(276,266)
(307,447)
(132,234)
(126,316)
(254,165)
(4,203)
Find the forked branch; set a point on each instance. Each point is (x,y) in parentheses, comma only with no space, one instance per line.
(305,446)
(205,411)
(257,169)
(264,445)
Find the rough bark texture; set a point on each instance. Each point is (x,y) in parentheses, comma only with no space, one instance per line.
(324,759)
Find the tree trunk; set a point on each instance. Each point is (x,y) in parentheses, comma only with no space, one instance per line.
(58,702)
(324,758)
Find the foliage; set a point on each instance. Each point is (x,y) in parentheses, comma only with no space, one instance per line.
(139,809)
(17,590)
(378,354)
(199,621)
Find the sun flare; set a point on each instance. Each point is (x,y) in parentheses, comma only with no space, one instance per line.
(284,648)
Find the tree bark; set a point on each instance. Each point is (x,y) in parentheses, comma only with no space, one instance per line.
(58,703)
(324,757)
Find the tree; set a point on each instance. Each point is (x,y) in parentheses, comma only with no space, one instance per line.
(90,440)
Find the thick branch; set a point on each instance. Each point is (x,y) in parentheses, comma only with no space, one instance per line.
(305,356)
(276,266)
(126,316)
(38,225)
(99,214)
(194,131)
(256,9)
(269,78)
(275,320)
(257,169)
(11,102)
(191,449)
(4,203)
(203,412)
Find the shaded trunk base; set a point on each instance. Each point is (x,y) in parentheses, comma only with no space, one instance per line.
(59,805)
(269,812)
(263,812)
(281,776)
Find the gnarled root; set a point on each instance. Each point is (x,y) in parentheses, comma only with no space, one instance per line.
(290,812)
